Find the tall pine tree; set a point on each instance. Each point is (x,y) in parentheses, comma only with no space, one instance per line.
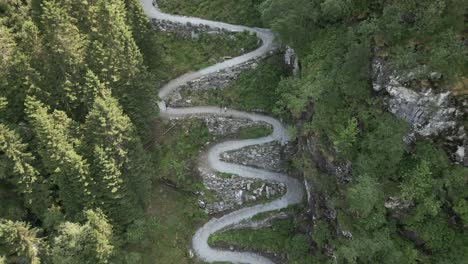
(113,147)
(56,145)
(19,242)
(21,172)
(113,54)
(66,50)
(87,243)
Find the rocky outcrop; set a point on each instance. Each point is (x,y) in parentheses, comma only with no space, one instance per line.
(340,169)
(231,192)
(291,60)
(428,113)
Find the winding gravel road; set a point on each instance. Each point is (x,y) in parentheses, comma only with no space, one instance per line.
(295,190)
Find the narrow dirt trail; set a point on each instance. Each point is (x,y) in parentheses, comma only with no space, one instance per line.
(294,187)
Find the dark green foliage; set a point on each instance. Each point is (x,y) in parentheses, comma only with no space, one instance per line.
(382,148)
(56,146)
(113,148)
(364,196)
(457,193)
(66,49)
(19,171)
(113,53)
(336,40)
(12,207)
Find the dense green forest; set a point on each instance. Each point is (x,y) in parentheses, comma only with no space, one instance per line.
(85,161)
(82,149)
(336,40)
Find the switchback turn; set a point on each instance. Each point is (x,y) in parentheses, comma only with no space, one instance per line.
(294,187)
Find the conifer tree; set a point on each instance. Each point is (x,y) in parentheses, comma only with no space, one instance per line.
(7,49)
(88,243)
(66,51)
(56,143)
(112,146)
(3,103)
(19,242)
(143,33)
(23,175)
(113,54)
(19,48)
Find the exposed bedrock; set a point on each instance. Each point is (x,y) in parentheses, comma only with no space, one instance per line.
(291,60)
(430,114)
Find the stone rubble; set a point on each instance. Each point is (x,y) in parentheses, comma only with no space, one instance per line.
(232,192)
(184,30)
(291,60)
(224,126)
(267,156)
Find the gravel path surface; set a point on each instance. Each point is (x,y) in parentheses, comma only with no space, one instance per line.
(295,190)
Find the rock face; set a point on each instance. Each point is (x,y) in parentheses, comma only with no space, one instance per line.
(429,114)
(291,60)
(341,170)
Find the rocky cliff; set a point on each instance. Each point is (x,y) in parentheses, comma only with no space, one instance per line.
(436,115)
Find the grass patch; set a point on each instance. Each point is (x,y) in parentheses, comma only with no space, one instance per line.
(295,209)
(225,175)
(179,145)
(173,215)
(242,12)
(178,55)
(254,90)
(281,239)
(256,131)
(165,235)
